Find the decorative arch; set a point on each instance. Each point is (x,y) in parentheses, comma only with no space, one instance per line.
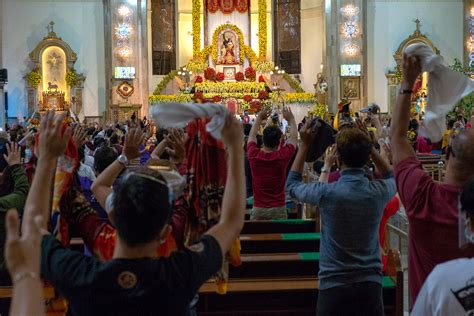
(53,40)
(416,38)
(215,37)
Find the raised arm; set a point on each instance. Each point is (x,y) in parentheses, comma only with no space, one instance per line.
(17,198)
(401,148)
(258,122)
(52,143)
(233,203)
(307,134)
(329,160)
(102,186)
(381,164)
(288,115)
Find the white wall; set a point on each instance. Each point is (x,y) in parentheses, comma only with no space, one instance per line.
(79,23)
(391,22)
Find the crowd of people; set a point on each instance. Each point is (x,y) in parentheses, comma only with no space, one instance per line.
(159,211)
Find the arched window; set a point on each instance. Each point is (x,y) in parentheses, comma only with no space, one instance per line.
(163,28)
(287,35)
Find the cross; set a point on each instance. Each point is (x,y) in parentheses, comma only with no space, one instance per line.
(418,22)
(51,27)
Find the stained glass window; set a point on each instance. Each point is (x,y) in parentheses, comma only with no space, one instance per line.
(163,24)
(287,35)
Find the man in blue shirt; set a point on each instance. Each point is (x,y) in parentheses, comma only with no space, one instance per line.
(350,268)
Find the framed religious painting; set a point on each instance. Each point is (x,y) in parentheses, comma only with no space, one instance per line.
(350,88)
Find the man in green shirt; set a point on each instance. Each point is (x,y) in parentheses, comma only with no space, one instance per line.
(133,283)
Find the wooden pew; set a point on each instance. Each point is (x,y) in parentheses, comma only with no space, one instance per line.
(278,226)
(280,243)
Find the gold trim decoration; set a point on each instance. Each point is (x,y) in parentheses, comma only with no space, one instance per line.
(262,28)
(196,25)
(166,98)
(215,36)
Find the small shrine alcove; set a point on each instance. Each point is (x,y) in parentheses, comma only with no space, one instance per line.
(53,83)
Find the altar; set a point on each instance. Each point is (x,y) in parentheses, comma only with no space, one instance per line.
(227,70)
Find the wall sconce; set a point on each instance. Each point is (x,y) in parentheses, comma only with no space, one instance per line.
(350,10)
(125,51)
(124,11)
(349,29)
(351,49)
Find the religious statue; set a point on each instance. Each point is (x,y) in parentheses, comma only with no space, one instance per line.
(227,51)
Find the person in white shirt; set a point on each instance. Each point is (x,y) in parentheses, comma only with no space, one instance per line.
(449,289)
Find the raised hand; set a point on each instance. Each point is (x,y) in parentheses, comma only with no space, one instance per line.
(331,156)
(411,71)
(13,155)
(264,114)
(309,131)
(233,133)
(288,114)
(176,145)
(133,140)
(52,141)
(79,135)
(22,254)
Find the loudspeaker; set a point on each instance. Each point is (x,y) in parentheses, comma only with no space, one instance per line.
(6,103)
(3,76)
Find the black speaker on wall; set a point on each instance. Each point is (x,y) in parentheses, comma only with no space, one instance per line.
(3,76)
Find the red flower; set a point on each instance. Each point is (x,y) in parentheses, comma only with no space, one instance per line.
(220,76)
(261,78)
(198,79)
(198,97)
(210,74)
(217,99)
(247,98)
(256,105)
(250,73)
(263,95)
(239,76)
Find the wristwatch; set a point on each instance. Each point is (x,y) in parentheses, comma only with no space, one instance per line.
(325,170)
(123,160)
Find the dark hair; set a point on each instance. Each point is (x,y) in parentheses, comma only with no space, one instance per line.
(114,139)
(81,153)
(160,134)
(247,129)
(98,142)
(104,156)
(451,124)
(271,136)
(467,197)
(141,208)
(354,147)
(3,151)
(109,132)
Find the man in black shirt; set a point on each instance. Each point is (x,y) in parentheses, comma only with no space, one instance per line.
(134,283)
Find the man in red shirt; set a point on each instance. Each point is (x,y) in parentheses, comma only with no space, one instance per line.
(431,207)
(269,166)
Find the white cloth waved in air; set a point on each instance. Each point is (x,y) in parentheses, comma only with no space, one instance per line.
(168,115)
(445,87)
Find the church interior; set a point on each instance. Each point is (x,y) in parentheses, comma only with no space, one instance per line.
(109,64)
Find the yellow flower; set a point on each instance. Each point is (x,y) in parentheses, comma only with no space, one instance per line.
(181,98)
(262,28)
(196,24)
(230,88)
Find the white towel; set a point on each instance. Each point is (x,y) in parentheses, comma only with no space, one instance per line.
(445,87)
(168,115)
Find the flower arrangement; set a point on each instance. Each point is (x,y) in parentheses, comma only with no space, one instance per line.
(34,78)
(250,73)
(294,84)
(263,95)
(164,82)
(181,98)
(71,77)
(217,99)
(256,105)
(263,65)
(210,74)
(248,51)
(196,25)
(297,97)
(216,34)
(262,28)
(220,76)
(239,76)
(197,65)
(247,98)
(230,87)
(230,95)
(198,79)
(319,109)
(261,78)
(206,51)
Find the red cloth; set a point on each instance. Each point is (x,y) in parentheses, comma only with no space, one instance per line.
(423,146)
(390,209)
(269,174)
(432,210)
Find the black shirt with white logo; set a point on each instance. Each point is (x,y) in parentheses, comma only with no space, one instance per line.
(146,286)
